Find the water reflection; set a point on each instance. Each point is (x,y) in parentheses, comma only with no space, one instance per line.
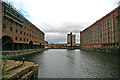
(63,63)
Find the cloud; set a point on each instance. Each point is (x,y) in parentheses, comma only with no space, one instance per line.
(59,17)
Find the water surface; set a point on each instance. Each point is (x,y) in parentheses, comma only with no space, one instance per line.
(63,63)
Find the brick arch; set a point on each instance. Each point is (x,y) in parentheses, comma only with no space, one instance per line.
(31,44)
(7,43)
(40,45)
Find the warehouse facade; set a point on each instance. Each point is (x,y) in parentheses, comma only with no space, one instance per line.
(18,33)
(104,32)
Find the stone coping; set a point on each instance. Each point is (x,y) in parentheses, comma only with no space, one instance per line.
(15,69)
(11,64)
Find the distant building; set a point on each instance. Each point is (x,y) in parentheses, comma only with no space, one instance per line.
(71,39)
(77,45)
(45,44)
(104,32)
(18,33)
(57,45)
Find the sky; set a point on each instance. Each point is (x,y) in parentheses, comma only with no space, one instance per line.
(57,18)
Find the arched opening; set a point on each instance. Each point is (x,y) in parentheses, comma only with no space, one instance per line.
(31,44)
(7,43)
(40,45)
(43,46)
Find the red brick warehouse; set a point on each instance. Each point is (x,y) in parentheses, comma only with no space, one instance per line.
(104,32)
(18,33)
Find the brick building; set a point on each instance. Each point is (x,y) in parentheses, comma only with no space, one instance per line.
(45,44)
(57,45)
(104,32)
(18,32)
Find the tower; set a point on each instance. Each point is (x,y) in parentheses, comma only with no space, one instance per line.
(71,40)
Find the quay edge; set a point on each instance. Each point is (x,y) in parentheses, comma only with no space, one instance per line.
(18,53)
(21,70)
(104,50)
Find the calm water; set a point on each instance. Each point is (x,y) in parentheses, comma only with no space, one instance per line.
(63,63)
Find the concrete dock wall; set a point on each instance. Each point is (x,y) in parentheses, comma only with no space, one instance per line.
(25,71)
(18,53)
(105,50)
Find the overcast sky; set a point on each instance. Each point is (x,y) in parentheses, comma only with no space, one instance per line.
(56,18)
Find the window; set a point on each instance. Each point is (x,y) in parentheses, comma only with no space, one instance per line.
(11,29)
(5,18)
(24,27)
(13,12)
(4,26)
(20,39)
(17,16)
(21,26)
(27,40)
(27,34)
(16,30)
(24,33)
(10,20)
(24,39)
(20,32)
(15,38)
